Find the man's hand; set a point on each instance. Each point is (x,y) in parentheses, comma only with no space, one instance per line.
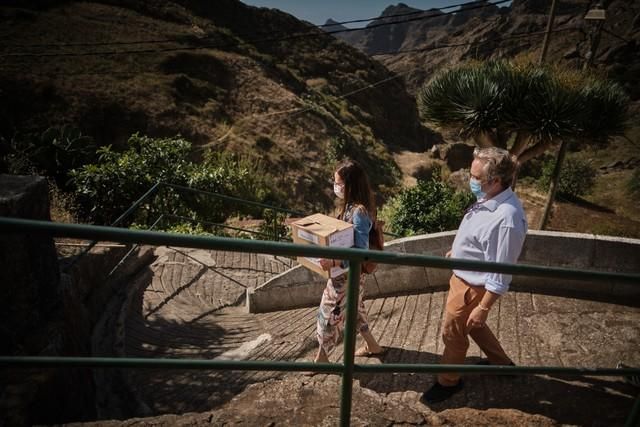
(477,318)
(448,254)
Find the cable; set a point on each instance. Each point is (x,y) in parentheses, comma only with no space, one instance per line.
(445,46)
(354,21)
(316,33)
(294,111)
(475,3)
(634,143)
(429,48)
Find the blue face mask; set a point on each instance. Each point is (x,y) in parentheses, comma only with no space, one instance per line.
(476,188)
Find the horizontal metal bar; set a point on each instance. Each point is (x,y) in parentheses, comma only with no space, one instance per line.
(262,365)
(81,231)
(117,362)
(494,369)
(233,199)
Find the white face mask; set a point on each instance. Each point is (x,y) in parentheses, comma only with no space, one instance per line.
(338,190)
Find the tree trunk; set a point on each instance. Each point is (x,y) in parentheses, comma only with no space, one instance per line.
(485,139)
(520,143)
(554,184)
(516,172)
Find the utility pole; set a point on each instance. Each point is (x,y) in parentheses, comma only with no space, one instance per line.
(547,34)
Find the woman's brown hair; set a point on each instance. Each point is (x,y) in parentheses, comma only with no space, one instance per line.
(357,189)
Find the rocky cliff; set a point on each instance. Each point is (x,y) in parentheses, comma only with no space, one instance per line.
(418,44)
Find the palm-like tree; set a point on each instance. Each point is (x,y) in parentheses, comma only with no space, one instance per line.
(529,109)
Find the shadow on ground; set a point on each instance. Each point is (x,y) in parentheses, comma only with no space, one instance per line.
(597,401)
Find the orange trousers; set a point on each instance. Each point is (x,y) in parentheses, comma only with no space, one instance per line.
(461,300)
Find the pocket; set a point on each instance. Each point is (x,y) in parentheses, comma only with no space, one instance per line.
(473,295)
(456,296)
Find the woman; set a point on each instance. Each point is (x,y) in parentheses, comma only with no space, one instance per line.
(351,186)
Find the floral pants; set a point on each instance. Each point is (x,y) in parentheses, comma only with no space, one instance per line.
(332,312)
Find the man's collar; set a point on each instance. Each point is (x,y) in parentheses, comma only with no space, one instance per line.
(493,203)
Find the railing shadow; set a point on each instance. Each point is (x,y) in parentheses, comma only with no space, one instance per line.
(573,400)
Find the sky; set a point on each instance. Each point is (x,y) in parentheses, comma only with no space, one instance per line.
(318,11)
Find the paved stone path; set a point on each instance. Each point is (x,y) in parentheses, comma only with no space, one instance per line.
(190,310)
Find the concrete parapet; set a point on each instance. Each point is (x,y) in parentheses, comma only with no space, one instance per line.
(300,287)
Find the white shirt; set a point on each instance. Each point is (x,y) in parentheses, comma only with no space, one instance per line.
(491,230)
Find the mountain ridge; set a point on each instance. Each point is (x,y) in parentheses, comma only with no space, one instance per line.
(477,32)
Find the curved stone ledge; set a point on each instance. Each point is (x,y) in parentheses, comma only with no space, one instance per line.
(299,287)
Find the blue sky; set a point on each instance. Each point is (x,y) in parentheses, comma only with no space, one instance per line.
(318,11)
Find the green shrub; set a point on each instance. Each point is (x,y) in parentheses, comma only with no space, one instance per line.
(273,227)
(106,189)
(429,207)
(338,149)
(53,153)
(577,177)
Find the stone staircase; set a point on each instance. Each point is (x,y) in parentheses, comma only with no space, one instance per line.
(191,307)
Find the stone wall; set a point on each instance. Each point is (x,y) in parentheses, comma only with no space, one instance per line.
(44,312)
(299,287)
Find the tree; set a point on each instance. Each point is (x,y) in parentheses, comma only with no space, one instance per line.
(528,109)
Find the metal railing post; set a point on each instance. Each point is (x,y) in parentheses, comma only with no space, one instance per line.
(353,289)
(634,417)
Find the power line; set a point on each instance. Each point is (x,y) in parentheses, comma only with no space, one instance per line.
(315,33)
(429,48)
(297,111)
(397,15)
(446,46)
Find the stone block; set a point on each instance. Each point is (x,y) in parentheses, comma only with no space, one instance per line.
(558,249)
(395,279)
(616,254)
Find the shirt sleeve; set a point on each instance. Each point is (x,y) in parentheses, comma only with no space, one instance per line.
(361,227)
(505,248)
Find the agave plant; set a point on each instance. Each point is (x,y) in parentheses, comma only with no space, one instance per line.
(605,110)
(463,98)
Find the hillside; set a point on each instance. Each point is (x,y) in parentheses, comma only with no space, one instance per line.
(225,76)
(260,83)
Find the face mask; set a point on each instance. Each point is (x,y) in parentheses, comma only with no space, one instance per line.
(476,188)
(339,191)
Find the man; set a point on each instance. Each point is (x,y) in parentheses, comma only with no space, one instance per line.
(493,229)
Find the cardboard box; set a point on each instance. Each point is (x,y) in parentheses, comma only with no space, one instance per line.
(322,230)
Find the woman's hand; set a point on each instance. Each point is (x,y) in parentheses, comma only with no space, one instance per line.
(327,264)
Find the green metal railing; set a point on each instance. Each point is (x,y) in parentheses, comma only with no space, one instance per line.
(356,257)
(155,190)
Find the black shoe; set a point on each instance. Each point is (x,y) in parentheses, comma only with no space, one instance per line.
(438,393)
(486,362)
